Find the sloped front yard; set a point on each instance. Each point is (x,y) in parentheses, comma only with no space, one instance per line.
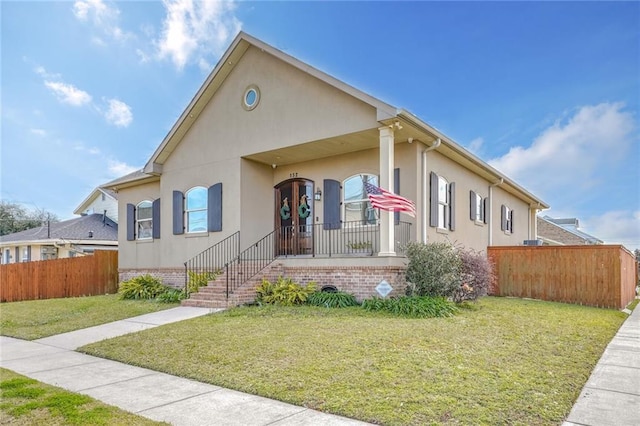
(507,361)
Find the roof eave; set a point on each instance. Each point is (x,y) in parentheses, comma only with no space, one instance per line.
(531,199)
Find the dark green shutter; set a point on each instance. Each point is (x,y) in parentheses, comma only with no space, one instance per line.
(155,215)
(131,222)
(214,206)
(178,213)
(433,203)
(331,208)
(452,206)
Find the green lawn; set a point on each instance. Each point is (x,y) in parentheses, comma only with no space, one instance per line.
(507,361)
(35,319)
(25,401)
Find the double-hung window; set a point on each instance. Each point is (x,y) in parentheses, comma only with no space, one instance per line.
(506,223)
(144,220)
(196,209)
(477,208)
(357,207)
(442,203)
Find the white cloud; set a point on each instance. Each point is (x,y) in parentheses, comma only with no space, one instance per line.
(616,227)
(475,145)
(38,132)
(117,168)
(571,156)
(104,17)
(193,31)
(68,93)
(119,114)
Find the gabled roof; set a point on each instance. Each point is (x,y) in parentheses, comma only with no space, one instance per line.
(571,225)
(101,228)
(385,113)
(94,194)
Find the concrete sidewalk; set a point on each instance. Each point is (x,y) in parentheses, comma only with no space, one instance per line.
(611,396)
(148,393)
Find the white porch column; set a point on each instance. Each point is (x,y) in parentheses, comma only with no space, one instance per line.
(387,223)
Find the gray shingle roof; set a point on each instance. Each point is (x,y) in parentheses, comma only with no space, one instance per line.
(102,228)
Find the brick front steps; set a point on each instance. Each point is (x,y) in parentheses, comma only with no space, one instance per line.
(213,295)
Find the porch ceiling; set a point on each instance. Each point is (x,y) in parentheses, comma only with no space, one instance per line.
(343,144)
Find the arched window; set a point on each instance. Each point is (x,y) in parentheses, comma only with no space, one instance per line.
(144,220)
(355,200)
(196,209)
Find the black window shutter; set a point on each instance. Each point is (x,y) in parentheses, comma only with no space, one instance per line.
(214,206)
(503,218)
(331,208)
(131,222)
(485,210)
(472,205)
(155,215)
(396,190)
(433,204)
(511,221)
(28,253)
(178,213)
(17,253)
(452,206)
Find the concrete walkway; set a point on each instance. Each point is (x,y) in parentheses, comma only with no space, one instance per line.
(154,395)
(611,396)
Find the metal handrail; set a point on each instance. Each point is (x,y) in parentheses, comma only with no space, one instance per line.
(357,238)
(213,259)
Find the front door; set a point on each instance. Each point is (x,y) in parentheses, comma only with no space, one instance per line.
(294,217)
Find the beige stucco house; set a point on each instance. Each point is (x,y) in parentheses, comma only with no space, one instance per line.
(270,157)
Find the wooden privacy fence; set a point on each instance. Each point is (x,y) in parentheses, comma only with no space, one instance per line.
(602,275)
(49,279)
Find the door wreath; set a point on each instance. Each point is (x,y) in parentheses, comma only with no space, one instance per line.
(303,209)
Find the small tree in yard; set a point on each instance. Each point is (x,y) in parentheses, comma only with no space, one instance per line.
(440,269)
(434,269)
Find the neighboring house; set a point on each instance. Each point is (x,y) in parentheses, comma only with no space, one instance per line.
(271,156)
(563,232)
(101,201)
(56,240)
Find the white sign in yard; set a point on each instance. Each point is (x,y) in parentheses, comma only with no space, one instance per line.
(384,288)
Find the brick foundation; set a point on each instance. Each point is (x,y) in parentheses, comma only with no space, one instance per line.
(361,281)
(169,276)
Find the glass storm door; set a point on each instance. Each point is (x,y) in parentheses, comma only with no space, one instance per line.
(294,217)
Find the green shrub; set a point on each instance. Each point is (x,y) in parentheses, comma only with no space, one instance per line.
(434,269)
(199,279)
(171,295)
(412,306)
(141,287)
(284,292)
(332,299)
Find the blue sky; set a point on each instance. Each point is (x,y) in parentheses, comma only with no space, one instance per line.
(549,93)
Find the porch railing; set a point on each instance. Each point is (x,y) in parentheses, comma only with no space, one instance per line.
(351,239)
(212,260)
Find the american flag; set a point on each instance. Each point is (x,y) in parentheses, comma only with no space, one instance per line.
(385,200)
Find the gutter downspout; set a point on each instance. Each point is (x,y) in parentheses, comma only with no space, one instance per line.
(498,183)
(425,185)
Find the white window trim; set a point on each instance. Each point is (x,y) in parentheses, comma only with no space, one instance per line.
(343,209)
(187,211)
(443,207)
(138,221)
